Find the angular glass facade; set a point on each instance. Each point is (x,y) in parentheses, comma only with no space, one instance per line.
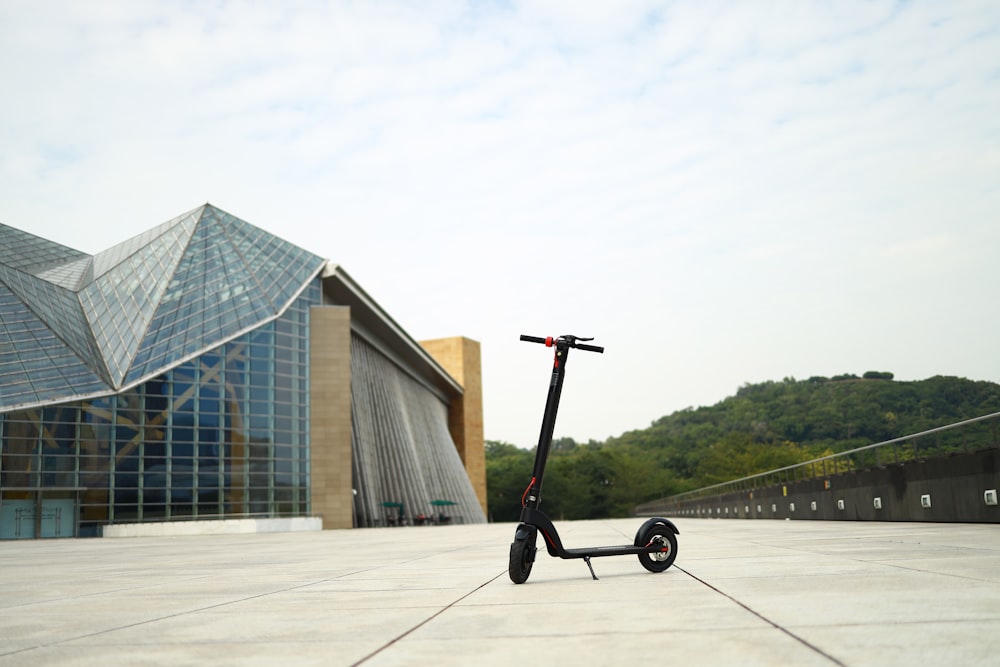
(223,434)
(74,325)
(168,378)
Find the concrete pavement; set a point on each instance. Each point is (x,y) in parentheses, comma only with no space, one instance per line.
(740,593)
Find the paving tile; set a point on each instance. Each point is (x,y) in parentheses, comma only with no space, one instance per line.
(742,592)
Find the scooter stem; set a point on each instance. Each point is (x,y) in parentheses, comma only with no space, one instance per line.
(562,345)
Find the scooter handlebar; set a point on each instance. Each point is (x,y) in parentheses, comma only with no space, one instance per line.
(571,340)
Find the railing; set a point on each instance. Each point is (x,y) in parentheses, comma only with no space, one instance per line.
(228,516)
(964,436)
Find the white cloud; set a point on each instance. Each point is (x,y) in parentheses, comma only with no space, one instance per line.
(722,192)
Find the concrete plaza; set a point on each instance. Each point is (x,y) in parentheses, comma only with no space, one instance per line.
(740,593)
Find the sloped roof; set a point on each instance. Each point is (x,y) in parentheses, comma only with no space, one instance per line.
(74,325)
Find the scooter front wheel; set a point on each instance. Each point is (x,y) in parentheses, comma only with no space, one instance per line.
(522,556)
(657,535)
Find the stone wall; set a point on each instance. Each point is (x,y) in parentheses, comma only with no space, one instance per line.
(954,488)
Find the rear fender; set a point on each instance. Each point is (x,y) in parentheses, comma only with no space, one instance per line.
(655,521)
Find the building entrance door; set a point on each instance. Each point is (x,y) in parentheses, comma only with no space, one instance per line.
(45,517)
(58,518)
(17,519)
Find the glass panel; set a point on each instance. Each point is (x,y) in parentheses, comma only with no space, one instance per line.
(59,447)
(221,434)
(19,461)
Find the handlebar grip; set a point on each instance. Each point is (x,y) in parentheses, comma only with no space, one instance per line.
(533,339)
(589,348)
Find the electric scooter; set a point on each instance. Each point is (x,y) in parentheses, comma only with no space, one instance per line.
(655,542)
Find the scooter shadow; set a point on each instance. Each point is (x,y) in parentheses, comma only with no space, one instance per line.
(546,577)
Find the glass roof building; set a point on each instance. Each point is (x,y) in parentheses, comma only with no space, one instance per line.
(209,369)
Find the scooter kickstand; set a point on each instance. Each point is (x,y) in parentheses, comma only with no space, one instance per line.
(586,559)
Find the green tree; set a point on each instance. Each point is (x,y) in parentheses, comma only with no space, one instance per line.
(508,472)
(739,455)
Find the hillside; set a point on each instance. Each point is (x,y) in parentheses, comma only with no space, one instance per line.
(765,425)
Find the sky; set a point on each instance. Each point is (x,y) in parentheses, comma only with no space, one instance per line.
(720,193)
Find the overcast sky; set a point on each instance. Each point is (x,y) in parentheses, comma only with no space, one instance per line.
(719,193)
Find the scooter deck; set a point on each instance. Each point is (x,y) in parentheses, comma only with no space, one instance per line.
(537,520)
(594,552)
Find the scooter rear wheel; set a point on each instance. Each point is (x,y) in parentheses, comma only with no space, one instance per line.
(522,555)
(662,535)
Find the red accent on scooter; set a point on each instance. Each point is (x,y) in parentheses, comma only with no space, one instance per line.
(548,341)
(525,494)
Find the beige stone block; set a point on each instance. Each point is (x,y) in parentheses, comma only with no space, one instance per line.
(330,415)
(461,358)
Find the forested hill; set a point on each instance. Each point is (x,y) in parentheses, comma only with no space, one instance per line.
(764,426)
(817,414)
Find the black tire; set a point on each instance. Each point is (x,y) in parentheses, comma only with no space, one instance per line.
(522,556)
(661,534)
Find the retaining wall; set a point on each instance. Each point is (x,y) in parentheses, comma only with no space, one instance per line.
(952,488)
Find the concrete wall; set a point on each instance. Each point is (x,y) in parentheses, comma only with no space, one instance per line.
(955,485)
(220,527)
(461,358)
